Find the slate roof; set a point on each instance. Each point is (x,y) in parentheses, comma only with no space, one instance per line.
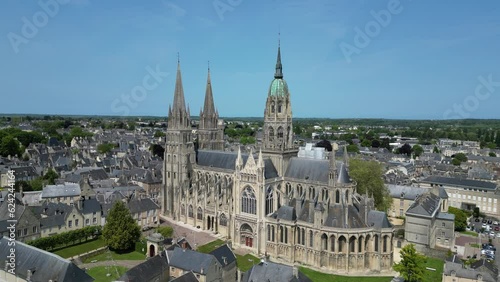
(227,160)
(186,277)
(492,268)
(315,170)
(270,271)
(147,270)
(286,212)
(445,216)
(460,271)
(191,260)
(141,205)
(310,169)
(45,266)
(425,205)
(224,252)
(457,182)
(378,219)
(407,192)
(90,206)
(65,190)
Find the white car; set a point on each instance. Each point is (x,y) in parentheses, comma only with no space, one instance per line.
(498,235)
(484,225)
(492,234)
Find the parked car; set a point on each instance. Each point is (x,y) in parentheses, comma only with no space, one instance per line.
(497,228)
(477,219)
(495,222)
(484,220)
(498,235)
(492,234)
(490,221)
(484,225)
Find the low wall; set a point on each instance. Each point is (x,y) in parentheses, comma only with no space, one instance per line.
(92,253)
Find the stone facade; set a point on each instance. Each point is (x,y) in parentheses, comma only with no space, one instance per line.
(271,202)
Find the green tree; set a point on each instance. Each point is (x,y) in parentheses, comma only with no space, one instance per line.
(121,230)
(366,143)
(352,148)
(157,150)
(165,231)
(436,150)
(9,146)
(37,184)
(417,150)
(368,177)
(159,133)
(456,162)
(412,264)
(460,218)
(105,148)
(461,157)
(492,154)
(51,176)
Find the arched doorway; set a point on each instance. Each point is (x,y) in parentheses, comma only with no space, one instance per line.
(151,250)
(246,235)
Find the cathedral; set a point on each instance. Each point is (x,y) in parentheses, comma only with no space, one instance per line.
(295,210)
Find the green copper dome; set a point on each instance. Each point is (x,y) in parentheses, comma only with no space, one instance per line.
(278,88)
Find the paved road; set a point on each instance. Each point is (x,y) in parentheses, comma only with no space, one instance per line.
(196,237)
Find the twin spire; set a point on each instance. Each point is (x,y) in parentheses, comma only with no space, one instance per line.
(178,116)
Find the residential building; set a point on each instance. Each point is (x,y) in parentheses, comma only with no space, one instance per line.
(467,194)
(427,225)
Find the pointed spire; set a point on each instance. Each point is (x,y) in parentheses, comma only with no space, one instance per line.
(208,107)
(279,67)
(239,159)
(346,157)
(250,160)
(260,162)
(179,105)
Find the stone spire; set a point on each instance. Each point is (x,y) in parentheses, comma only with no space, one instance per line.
(239,159)
(208,107)
(260,161)
(179,103)
(279,67)
(346,157)
(178,116)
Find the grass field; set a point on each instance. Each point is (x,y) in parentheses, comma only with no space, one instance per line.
(324,277)
(81,248)
(131,255)
(207,248)
(437,264)
(99,273)
(246,262)
(471,233)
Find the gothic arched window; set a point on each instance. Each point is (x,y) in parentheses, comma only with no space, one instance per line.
(190,211)
(223,220)
(271,133)
(269,200)
(199,214)
(248,201)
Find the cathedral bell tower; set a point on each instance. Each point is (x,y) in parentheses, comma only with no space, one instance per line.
(277,143)
(179,153)
(211,129)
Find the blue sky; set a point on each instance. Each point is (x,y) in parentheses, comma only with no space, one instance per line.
(425,62)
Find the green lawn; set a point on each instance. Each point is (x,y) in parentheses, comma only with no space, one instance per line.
(471,233)
(246,262)
(132,255)
(99,273)
(81,248)
(437,264)
(324,277)
(475,245)
(207,248)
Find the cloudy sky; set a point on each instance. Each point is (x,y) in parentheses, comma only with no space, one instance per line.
(341,59)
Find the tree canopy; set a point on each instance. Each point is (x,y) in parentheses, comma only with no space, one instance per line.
(121,230)
(460,218)
(368,176)
(412,264)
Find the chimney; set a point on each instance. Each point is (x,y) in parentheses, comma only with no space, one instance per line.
(28,278)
